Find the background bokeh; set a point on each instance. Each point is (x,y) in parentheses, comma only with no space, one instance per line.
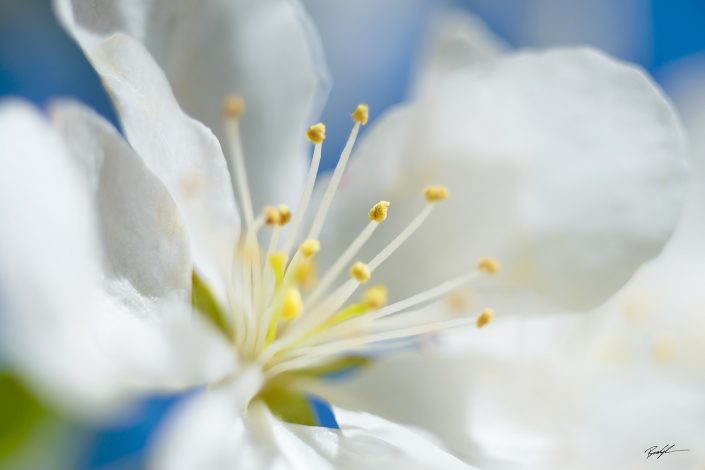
(372,48)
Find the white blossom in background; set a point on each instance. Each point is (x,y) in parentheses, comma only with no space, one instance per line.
(567,165)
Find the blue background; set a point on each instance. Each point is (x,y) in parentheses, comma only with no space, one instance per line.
(39,62)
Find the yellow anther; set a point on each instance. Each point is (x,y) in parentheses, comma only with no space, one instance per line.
(435,193)
(284,214)
(361,114)
(277,261)
(291,305)
(271,216)
(375,297)
(234,106)
(485,317)
(305,275)
(316,133)
(360,271)
(310,247)
(378,213)
(489,265)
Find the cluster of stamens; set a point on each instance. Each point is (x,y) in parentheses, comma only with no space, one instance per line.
(280,315)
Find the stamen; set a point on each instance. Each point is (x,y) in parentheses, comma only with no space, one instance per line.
(278,220)
(402,305)
(292,305)
(302,357)
(375,297)
(308,185)
(316,134)
(233,108)
(271,314)
(266,291)
(360,116)
(435,193)
(485,317)
(233,293)
(378,213)
(401,238)
(319,313)
(271,216)
(489,265)
(305,275)
(309,248)
(360,271)
(427,295)
(290,309)
(284,214)
(252,275)
(277,261)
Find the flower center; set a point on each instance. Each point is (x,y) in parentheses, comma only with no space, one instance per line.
(279,316)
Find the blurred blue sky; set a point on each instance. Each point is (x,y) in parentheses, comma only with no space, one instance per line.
(371,47)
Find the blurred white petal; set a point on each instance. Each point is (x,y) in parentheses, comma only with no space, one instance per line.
(212,432)
(159,344)
(429,391)
(266,51)
(183,153)
(86,326)
(49,265)
(141,228)
(145,323)
(368,441)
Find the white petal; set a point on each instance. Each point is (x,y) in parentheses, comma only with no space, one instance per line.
(430,392)
(180,151)
(548,399)
(657,320)
(211,432)
(88,337)
(367,441)
(145,325)
(158,344)
(456,41)
(566,165)
(551,411)
(142,230)
(49,264)
(266,51)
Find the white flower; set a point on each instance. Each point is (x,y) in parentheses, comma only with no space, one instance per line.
(523,143)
